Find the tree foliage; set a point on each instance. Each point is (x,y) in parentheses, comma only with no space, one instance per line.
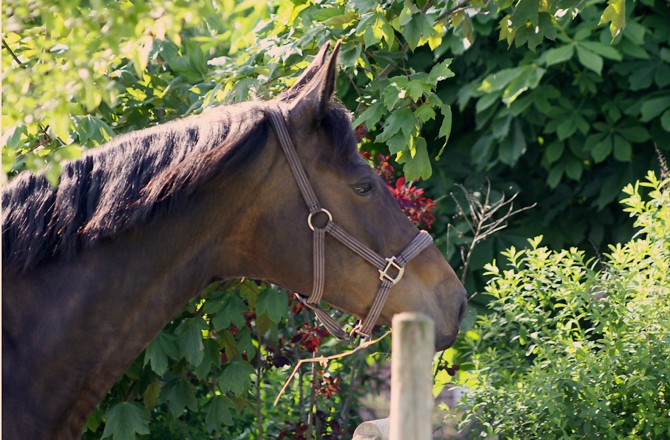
(556,100)
(575,347)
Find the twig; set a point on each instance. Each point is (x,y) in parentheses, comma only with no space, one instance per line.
(482,219)
(11,52)
(311,415)
(323,360)
(344,414)
(259,374)
(665,171)
(462,5)
(46,137)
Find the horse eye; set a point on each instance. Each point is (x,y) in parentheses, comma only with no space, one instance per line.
(363,188)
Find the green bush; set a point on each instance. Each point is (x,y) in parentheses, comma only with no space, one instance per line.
(580,348)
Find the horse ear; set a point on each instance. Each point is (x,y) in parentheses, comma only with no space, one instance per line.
(307,75)
(316,93)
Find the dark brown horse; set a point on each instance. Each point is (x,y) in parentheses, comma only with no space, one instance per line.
(94,268)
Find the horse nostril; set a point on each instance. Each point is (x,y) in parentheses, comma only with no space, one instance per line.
(463,310)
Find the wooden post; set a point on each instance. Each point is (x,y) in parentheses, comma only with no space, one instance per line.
(411,377)
(373,430)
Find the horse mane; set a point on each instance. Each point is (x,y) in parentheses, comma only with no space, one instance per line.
(126,182)
(136,177)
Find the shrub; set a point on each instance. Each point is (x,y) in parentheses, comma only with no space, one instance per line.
(579,348)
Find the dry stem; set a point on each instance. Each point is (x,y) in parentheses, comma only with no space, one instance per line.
(323,360)
(484,218)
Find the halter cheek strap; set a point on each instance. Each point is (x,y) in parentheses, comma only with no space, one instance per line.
(390,269)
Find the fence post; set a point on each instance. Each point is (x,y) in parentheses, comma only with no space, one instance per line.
(411,377)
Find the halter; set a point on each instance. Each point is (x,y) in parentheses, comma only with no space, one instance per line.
(390,269)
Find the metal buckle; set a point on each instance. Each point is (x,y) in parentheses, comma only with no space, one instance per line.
(384,275)
(312,214)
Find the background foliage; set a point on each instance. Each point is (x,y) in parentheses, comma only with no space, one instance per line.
(558,101)
(577,347)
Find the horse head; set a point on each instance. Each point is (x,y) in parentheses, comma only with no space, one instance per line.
(352,196)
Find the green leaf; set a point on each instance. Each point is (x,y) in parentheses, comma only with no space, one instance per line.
(559,54)
(481,151)
(566,128)
(370,116)
(273,304)
(189,339)
(653,107)
(602,49)
(635,134)
(376,30)
(445,128)
(525,10)
(140,56)
(52,173)
(159,350)
(555,176)
(486,101)
(615,15)
(589,59)
(236,377)
(623,150)
(573,169)
(405,15)
(232,312)
(416,89)
(341,21)
(400,120)
(151,393)
(59,122)
(14,139)
(179,395)
(394,92)
(499,80)
(219,413)
(513,146)
(397,143)
(602,149)
(529,79)
(554,151)
(665,120)
(425,113)
(92,130)
(421,25)
(126,420)
(417,166)
(441,71)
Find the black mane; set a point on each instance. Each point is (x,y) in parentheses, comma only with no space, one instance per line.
(126,182)
(136,177)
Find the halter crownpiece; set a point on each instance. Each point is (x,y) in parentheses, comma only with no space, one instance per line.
(390,269)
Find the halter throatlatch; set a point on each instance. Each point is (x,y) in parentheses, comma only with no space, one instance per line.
(320,221)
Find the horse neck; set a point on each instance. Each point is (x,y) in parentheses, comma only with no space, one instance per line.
(81,323)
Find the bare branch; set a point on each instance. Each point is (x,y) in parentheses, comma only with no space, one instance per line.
(323,360)
(484,218)
(460,6)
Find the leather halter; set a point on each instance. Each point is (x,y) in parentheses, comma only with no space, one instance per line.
(390,269)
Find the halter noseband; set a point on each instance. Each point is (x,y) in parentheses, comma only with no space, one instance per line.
(390,269)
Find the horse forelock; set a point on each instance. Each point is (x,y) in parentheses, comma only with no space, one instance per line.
(337,126)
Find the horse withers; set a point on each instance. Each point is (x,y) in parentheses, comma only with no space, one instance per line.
(94,267)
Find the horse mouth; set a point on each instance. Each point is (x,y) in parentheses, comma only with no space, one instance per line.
(444,341)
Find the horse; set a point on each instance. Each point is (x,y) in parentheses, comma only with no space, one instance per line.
(95,266)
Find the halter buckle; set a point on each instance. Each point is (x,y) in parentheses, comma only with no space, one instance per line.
(384,274)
